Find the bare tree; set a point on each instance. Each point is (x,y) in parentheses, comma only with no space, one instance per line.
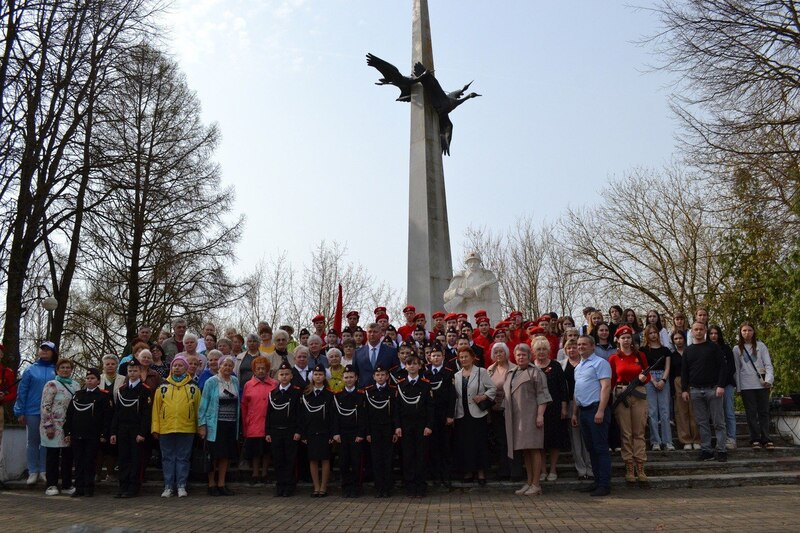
(738,94)
(657,240)
(534,273)
(55,59)
(160,243)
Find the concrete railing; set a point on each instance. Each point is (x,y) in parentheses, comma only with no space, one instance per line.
(12,455)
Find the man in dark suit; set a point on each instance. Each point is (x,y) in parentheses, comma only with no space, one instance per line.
(373,353)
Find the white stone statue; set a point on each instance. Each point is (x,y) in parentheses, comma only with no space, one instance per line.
(472,289)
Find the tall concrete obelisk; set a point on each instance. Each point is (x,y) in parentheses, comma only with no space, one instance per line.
(430,266)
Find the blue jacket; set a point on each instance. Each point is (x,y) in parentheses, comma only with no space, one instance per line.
(204,376)
(209,407)
(29,391)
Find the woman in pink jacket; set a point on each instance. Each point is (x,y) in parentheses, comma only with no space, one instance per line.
(255,402)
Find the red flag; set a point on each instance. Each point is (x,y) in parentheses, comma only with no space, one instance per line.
(337,317)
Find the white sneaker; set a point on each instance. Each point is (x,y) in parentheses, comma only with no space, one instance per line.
(69,492)
(687,446)
(697,446)
(167,493)
(730,444)
(42,477)
(656,447)
(51,491)
(670,447)
(524,489)
(552,476)
(182,492)
(543,477)
(32,479)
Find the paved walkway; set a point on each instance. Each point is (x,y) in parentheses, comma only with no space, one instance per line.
(769,508)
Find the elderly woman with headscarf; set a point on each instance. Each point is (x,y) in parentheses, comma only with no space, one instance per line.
(176,407)
(56,397)
(219,424)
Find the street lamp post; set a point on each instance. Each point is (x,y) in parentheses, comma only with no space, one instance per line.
(50,304)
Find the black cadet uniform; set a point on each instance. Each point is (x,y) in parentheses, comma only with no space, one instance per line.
(281,427)
(132,412)
(414,413)
(297,377)
(444,398)
(349,424)
(88,420)
(380,407)
(315,422)
(397,373)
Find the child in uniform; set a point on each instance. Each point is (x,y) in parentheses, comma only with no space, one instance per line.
(88,423)
(130,426)
(349,431)
(380,407)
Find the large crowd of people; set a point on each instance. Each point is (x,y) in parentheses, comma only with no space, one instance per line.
(445,402)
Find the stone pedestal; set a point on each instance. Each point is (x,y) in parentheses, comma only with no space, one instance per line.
(430,265)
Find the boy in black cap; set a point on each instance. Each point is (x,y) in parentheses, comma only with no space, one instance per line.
(349,430)
(414,420)
(88,423)
(444,399)
(380,407)
(282,430)
(130,426)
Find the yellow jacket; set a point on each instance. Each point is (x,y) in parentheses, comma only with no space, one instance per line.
(175,406)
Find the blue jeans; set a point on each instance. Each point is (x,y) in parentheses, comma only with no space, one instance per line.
(658,411)
(176,454)
(35,453)
(730,411)
(595,436)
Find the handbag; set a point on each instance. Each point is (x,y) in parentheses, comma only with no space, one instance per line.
(761,375)
(486,404)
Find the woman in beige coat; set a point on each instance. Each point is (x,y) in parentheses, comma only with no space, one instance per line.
(475,394)
(525,393)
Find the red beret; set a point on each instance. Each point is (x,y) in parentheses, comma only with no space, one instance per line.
(480,312)
(544,318)
(379,310)
(418,316)
(515,314)
(451,316)
(353,313)
(318,318)
(536,330)
(482,319)
(462,316)
(381,316)
(623,330)
(527,324)
(408,308)
(438,314)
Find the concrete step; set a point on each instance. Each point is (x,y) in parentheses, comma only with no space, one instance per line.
(694,467)
(701,480)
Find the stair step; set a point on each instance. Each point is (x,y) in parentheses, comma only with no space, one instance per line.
(684,468)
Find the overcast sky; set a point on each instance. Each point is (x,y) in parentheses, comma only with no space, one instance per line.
(316,151)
